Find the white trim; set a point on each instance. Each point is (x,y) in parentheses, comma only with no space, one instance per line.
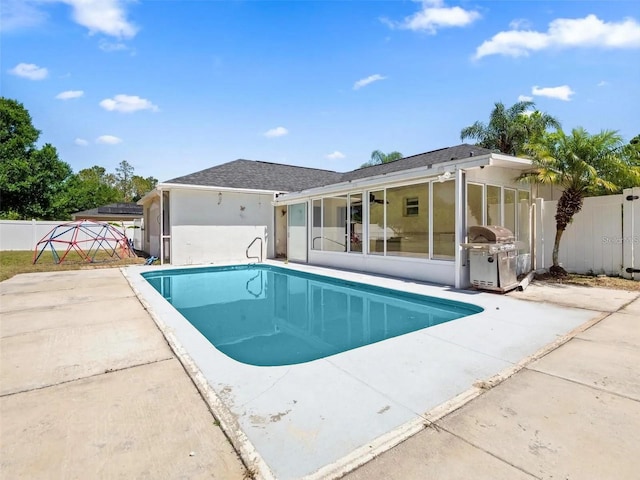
(148,197)
(460,224)
(414,175)
(499,160)
(170,186)
(161,227)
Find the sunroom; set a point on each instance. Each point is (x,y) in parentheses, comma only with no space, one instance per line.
(411,221)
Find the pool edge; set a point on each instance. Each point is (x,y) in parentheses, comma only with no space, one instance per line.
(246,451)
(361,455)
(393,438)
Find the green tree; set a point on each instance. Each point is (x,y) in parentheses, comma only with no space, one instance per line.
(378,158)
(142,186)
(509,129)
(624,172)
(31,179)
(90,188)
(124,180)
(579,163)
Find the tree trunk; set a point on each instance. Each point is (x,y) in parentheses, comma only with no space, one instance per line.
(569,204)
(556,247)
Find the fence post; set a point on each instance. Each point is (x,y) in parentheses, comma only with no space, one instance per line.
(539,234)
(631,233)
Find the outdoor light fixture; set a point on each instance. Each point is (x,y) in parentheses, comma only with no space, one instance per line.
(444,176)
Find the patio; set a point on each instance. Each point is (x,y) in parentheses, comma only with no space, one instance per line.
(90,385)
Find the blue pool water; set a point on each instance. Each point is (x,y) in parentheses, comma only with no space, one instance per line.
(264,315)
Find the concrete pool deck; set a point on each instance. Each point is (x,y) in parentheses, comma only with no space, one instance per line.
(90,385)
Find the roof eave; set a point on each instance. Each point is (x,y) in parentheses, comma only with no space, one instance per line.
(186,186)
(148,197)
(489,159)
(391,177)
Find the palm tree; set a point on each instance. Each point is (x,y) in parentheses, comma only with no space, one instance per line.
(378,158)
(509,129)
(578,163)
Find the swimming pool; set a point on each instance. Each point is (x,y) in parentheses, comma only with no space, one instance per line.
(264,315)
(318,419)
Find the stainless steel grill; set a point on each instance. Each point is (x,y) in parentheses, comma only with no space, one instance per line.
(492,256)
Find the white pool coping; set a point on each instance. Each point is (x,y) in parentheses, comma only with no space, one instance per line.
(323,418)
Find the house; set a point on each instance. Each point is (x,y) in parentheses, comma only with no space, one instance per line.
(212,215)
(114,212)
(407,218)
(126,217)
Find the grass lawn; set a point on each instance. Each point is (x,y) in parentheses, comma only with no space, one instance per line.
(15,262)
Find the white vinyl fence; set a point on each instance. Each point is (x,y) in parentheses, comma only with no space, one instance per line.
(603,238)
(25,234)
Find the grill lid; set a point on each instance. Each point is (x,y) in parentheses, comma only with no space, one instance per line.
(490,234)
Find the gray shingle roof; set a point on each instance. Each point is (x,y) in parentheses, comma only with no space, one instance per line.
(421,160)
(257,175)
(124,209)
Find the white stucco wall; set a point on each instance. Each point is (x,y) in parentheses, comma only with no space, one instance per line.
(442,272)
(207,244)
(210,208)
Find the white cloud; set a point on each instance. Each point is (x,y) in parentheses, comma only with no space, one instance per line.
(108,17)
(107,46)
(519,24)
(82,142)
(589,31)
(603,83)
(18,14)
(363,82)
(30,71)
(127,104)
(108,140)
(336,155)
(562,92)
(525,98)
(434,15)
(69,94)
(276,132)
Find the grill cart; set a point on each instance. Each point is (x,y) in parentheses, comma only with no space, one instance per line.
(492,256)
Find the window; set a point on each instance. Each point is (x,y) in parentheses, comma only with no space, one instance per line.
(329,228)
(510,209)
(376,222)
(334,224)
(411,207)
(524,220)
(355,223)
(407,226)
(475,194)
(444,220)
(494,200)
(316,226)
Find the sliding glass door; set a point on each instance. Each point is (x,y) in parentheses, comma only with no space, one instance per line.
(297,231)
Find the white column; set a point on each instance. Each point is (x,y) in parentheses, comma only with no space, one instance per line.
(460,229)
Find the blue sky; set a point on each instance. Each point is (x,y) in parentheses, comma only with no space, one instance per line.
(174,87)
